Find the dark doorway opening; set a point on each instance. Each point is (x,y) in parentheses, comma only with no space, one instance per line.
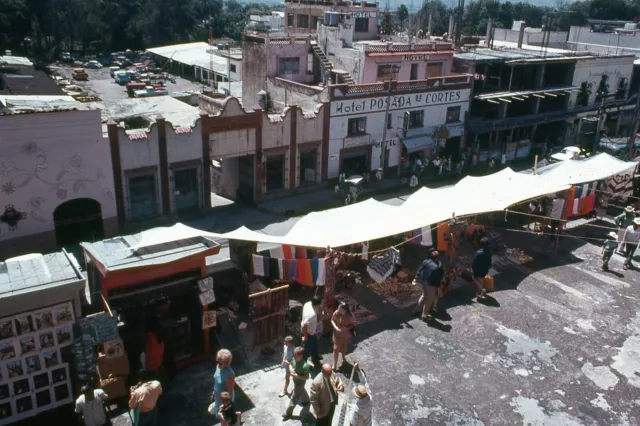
(78,220)
(355,163)
(245,179)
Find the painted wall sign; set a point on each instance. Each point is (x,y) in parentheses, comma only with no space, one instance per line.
(363,106)
(364,14)
(352,141)
(415,57)
(388,143)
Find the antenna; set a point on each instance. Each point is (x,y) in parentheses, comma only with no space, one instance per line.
(210,55)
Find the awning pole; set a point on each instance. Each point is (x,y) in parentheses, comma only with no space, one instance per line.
(106,304)
(535,165)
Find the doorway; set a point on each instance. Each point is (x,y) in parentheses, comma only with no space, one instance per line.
(78,220)
(355,163)
(245,190)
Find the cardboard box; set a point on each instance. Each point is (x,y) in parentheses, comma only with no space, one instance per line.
(114,387)
(114,367)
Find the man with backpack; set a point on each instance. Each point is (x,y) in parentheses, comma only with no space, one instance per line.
(429,277)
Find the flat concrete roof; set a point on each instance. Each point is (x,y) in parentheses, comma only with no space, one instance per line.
(198,54)
(34,272)
(178,113)
(29,104)
(15,60)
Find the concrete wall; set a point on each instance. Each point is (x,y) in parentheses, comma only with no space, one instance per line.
(591,71)
(184,146)
(285,93)
(317,10)
(296,49)
(370,72)
(581,39)
(331,40)
(254,71)
(45,160)
(373,108)
(532,36)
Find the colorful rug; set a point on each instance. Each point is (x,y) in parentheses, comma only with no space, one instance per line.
(360,313)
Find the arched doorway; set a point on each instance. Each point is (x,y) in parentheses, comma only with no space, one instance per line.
(78,220)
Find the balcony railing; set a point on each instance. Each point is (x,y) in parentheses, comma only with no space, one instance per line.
(429,83)
(331,3)
(406,47)
(484,126)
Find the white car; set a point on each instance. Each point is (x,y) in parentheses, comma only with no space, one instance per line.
(92,65)
(150,91)
(568,153)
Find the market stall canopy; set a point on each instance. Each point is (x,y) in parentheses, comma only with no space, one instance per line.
(598,167)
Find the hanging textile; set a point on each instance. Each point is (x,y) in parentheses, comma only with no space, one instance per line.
(273,269)
(365,251)
(331,264)
(322,267)
(287,252)
(266,263)
(301,253)
(281,269)
(276,252)
(443,242)
(427,238)
(265,253)
(258,265)
(417,236)
(304,272)
(382,266)
(293,269)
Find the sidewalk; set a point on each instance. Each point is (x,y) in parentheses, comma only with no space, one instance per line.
(325,198)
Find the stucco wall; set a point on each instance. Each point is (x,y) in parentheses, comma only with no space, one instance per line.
(582,39)
(254,72)
(374,110)
(184,146)
(370,71)
(292,50)
(278,134)
(591,71)
(50,158)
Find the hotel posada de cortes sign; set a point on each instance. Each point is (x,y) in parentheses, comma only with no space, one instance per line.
(363,106)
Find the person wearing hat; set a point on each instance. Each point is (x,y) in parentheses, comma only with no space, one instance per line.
(624,220)
(630,240)
(608,248)
(362,408)
(429,276)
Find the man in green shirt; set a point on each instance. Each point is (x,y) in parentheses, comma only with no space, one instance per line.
(300,374)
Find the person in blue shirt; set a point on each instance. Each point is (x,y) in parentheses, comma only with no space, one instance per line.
(480,266)
(429,277)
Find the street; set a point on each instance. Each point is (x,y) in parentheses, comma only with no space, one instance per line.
(559,345)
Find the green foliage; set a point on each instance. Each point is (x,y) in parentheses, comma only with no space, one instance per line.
(104,26)
(402,14)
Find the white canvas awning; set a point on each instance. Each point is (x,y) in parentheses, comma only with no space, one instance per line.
(598,167)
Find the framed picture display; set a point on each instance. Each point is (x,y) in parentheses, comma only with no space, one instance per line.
(51,357)
(59,375)
(24,324)
(43,398)
(33,364)
(63,314)
(24,404)
(8,350)
(46,339)
(64,335)
(5,392)
(61,392)
(14,368)
(6,410)
(7,331)
(41,380)
(44,319)
(28,345)
(21,387)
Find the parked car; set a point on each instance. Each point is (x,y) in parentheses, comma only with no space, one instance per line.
(618,147)
(121,77)
(134,87)
(79,74)
(93,64)
(568,153)
(113,70)
(66,57)
(150,91)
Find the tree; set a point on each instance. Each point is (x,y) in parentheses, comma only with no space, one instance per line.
(402,14)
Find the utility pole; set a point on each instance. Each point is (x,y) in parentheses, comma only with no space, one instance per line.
(631,144)
(383,143)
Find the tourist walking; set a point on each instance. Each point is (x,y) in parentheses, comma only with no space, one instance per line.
(144,400)
(623,221)
(343,324)
(429,276)
(630,240)
(224,380)
(324,395)
(480,266)
(310,313)
(362,408)
(287,356)
(299,371)
(90,406)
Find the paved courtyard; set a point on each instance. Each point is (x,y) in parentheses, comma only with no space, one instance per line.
(558,345)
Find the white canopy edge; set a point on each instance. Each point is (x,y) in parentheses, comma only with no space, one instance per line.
(598,167)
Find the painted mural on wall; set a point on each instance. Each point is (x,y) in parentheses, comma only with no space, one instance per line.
(47,185)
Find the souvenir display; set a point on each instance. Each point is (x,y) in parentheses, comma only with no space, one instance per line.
(44,320)
(34,376)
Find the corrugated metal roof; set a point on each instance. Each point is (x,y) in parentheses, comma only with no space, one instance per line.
(118,253)
(35,272)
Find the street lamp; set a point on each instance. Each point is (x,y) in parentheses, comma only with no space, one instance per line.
(393,69)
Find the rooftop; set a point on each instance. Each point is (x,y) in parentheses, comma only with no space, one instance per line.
(21,79)
(29,104)
(123,252)
(178,113)
(197,54)
(34,272)
(505,55)
(15,60)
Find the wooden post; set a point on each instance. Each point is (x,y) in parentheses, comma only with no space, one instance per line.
(535,165)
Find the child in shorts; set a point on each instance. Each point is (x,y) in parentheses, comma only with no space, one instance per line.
(287,356)
(228,415)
